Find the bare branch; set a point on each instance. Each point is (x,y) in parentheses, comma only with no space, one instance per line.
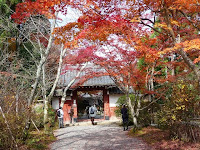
(189,20)
(151,27)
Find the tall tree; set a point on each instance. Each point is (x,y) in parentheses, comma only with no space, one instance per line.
(31,16)
(42,37)
(178,24)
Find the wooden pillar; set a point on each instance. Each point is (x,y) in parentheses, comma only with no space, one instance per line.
(66,108)
(106,104)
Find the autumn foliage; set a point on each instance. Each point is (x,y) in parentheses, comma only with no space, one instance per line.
(142,45)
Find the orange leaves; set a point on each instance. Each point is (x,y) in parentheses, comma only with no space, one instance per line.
(70,44)
(191,5)
(97,28)
(197,60)
(192,44)
(64,34)
(147,48)
(174,22)
(186,46)
(162,25)
(135,19)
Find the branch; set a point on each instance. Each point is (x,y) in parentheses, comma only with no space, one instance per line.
(30,53)
(148,20)
(35,126)
(62,53)
(151,27)
(71,82)
(153,101)
(42,61)
(38,29)
(189,20)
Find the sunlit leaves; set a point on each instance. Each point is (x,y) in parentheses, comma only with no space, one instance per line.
(191,46)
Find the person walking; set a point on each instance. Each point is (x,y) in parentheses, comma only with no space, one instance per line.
(60,115)
(124,112)
(92,112)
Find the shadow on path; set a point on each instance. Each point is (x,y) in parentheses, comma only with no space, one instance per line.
(99,137)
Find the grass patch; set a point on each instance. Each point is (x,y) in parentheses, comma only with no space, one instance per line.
(39,141)
(160,139)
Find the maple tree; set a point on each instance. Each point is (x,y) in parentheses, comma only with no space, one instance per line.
(178,22)
(154,29)
(24,15)
(157,30)
(36,29)
(175,25)
(121,64)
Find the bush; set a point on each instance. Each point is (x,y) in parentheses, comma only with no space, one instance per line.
(180,109)
(16,123)
(39,140)
(39,117)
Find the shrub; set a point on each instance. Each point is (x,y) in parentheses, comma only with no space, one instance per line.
(39,140)
(16,123)
(39,116)
(179,110)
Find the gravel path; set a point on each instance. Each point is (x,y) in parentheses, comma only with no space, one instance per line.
(98,137)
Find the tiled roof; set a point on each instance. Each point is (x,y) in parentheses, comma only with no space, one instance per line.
(66,78)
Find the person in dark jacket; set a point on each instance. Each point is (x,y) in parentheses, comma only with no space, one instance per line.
(60,117)
(124,112)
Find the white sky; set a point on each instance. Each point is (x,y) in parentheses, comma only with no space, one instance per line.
(71,16)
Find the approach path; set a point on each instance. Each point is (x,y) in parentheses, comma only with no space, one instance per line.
(98,137)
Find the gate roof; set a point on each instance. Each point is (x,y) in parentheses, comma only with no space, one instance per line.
(67,77)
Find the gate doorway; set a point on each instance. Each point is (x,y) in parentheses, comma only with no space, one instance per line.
(85,99)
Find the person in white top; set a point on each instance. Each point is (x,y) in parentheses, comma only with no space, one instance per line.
(60,115)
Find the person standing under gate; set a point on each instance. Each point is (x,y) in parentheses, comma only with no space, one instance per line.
(124,112)
(71,113)
(60,115)
(92,112)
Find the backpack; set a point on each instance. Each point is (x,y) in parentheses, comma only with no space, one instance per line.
(92,110)
(58,113)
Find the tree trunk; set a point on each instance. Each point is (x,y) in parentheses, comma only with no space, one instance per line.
(45,102)
(192,66)
(70,84)
(46,121)
(135,123)
(172,60)
(133,114)
(49,97)
(190,63)
(38,74)
(17,102)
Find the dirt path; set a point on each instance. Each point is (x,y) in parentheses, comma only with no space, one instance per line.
(98,137)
